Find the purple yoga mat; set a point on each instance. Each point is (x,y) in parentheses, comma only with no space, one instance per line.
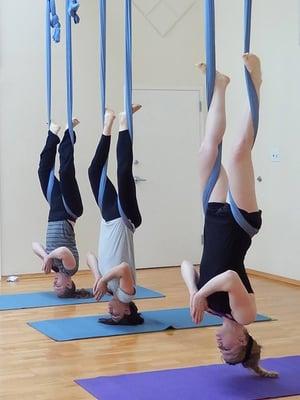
(209,382)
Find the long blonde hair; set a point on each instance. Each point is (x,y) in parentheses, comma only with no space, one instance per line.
(249,357)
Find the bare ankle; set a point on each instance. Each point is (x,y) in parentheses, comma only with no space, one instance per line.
(54,128)
(109,118)
(123,125)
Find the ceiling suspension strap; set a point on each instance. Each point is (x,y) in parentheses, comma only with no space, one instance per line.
(210,85)
(102,40)
(52,24)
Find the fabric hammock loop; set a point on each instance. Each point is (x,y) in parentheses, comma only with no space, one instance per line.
(72,10)
(54,21)
(210,84)
(102,74)
(127,91)
(102,39)
(252,95)
(210,49)
(253,102)
(128,66)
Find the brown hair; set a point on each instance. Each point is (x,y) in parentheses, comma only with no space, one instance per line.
(134,318)
(249,357)
(72,292)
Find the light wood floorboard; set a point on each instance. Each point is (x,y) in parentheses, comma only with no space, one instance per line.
(35,367)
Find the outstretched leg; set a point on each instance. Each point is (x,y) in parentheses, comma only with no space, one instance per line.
(68,183)
(109,206)
(51,190)
(241,173)
(214,132)
(47,158)
(126,184)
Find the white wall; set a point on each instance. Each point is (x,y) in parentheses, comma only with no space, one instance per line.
(276,39)
(159,62)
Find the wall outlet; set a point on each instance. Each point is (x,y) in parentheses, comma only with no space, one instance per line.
(275,155)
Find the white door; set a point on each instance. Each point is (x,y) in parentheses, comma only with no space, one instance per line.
(166,141)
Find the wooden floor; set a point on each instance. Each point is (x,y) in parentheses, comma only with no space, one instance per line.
(35,367)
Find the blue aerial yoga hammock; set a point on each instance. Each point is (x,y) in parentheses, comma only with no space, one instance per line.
(71,12)
(210,83)
(102,16)
(52,21)
(127,89)
(128,67)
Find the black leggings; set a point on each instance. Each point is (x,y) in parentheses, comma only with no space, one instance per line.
(126,184)
(65,191)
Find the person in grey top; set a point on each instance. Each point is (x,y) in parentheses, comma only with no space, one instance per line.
(60,254)
(114,270)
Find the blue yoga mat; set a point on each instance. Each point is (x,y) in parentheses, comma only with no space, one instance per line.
(217,382)
(155,321)
(49,299)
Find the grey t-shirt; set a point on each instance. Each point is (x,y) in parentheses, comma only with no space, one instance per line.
(61,233)
(115,247)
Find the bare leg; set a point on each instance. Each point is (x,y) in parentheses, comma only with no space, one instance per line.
(190,276)
(219,193)
(214,131)
(92,263)
(39,250)
(108,122)
(241,173)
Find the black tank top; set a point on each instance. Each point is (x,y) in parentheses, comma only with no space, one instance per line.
(225,248)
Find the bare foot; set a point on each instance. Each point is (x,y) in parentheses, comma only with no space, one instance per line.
(109,118)
(136,107)
(75,122)
(54,128)
(220,78)
(122,117)
(252,63)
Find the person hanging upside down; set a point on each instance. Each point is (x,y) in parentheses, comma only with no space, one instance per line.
(114,270)
(222,287)
(60,254)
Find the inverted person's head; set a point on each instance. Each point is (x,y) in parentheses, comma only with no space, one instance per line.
(122,314)
(64,287)
(238,347)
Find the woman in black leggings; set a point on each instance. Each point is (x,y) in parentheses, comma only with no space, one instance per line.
(114,270)
(63,196)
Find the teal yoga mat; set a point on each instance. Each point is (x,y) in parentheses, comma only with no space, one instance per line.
(155,321)
(49,299)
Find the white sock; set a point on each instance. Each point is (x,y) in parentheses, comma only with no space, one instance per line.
(54,128)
